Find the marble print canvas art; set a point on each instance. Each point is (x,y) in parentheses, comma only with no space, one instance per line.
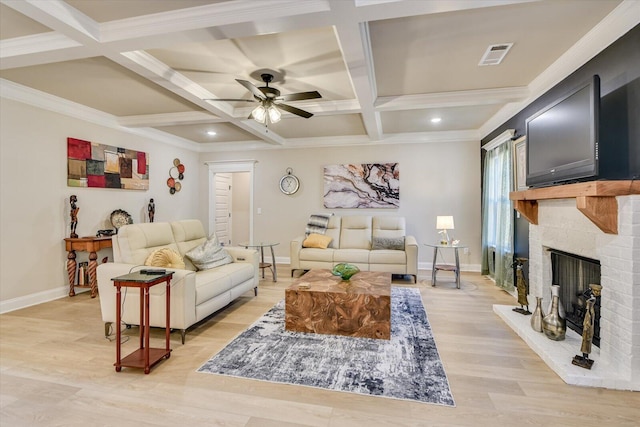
(362,186)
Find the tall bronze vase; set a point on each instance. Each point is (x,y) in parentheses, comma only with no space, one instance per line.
(554,324)
(538,315)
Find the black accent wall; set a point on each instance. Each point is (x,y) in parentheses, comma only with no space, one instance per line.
(619,69)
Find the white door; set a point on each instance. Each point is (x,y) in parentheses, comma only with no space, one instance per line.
(223,208)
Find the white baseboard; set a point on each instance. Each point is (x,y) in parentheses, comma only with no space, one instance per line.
(474,268)
(37,298)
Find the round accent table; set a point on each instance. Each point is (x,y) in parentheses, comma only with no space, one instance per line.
(446,267)
(271,266)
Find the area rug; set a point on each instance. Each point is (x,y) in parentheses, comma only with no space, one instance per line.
(407,366)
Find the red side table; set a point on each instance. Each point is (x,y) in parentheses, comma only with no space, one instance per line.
(144,357)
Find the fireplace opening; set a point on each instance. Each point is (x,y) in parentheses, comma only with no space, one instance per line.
(574,274)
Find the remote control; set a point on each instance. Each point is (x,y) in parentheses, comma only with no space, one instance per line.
(152,272)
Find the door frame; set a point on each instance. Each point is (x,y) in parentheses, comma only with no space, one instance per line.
(229,166)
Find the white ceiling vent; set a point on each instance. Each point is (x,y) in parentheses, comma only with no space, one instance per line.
(495,54)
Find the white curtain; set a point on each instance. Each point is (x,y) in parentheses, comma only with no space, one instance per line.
(497,214)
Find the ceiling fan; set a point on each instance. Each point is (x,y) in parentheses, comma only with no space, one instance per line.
(269,100)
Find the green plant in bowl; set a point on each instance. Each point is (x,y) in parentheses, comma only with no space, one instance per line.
(345,271)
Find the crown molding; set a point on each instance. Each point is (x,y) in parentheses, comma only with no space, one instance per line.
(169,119)
(621,20)
(499,140)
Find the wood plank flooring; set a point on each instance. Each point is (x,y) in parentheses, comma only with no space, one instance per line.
(56,369)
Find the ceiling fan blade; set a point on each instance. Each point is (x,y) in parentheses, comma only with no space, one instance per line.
(300,96)
(234,100)
(294,110)
(252,88)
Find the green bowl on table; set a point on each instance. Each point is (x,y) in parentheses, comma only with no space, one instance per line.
(345,271)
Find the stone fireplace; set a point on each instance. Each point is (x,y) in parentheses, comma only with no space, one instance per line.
(564,228)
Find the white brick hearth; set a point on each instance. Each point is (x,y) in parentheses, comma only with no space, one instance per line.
(561,226)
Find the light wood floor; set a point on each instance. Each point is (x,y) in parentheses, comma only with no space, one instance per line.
(57,370)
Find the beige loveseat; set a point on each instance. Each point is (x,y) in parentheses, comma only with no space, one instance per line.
(194,294)
(359,240)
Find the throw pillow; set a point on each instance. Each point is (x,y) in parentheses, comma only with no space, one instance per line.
(393,243)
(209,254)
(165,257)
(316,241)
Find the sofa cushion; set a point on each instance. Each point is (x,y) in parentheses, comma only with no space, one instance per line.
(188,234)
(388,226)
(209,254)
(165,257)
(213,282)
(394,243)
(314,254)
(356,232)
(387,257)
(137,241)
(316,241)
(353,256)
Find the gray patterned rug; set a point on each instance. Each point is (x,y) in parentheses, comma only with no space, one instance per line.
(406,367)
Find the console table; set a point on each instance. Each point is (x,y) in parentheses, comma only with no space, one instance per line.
(144,357)
(87,244)
(445,267)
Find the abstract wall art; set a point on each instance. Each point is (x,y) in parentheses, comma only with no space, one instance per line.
(90,164)
(362,186)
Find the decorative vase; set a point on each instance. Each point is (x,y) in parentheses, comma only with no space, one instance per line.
(345,271)
(538,315)
(554,325)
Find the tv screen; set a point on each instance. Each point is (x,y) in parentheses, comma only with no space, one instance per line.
(562,138)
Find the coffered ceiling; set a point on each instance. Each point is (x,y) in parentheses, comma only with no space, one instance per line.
(384,68)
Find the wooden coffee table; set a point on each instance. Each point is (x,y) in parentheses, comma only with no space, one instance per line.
(322,303)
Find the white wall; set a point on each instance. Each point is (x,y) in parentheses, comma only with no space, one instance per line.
(34,197)
(435,179)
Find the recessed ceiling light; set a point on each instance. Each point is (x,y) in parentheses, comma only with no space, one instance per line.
(436,120)
(211,133)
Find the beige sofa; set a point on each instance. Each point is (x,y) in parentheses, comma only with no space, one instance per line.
(355,240)
(194,294)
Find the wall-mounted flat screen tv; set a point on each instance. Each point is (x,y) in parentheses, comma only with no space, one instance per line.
(562,138)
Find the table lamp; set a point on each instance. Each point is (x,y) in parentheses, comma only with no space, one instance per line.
(444,223)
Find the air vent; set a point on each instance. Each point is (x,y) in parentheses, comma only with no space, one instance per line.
(495,54)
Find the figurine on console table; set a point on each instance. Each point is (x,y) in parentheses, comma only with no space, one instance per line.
(74,215)
(152,210)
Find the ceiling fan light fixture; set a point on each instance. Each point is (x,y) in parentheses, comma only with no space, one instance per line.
(274,114)
(259,114)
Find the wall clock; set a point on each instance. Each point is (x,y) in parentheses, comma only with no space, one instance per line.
(289,183)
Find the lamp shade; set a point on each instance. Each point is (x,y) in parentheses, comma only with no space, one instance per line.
(274,114)
(259,114)
(444,222)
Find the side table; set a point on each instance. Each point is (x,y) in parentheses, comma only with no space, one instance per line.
(144,357)
(271,266)
(445,267)
(87,244)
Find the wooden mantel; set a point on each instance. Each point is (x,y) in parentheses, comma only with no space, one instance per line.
(595,199)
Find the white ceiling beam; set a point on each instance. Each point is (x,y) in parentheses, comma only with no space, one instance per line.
(318,108)
(355,45)
(452,99)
